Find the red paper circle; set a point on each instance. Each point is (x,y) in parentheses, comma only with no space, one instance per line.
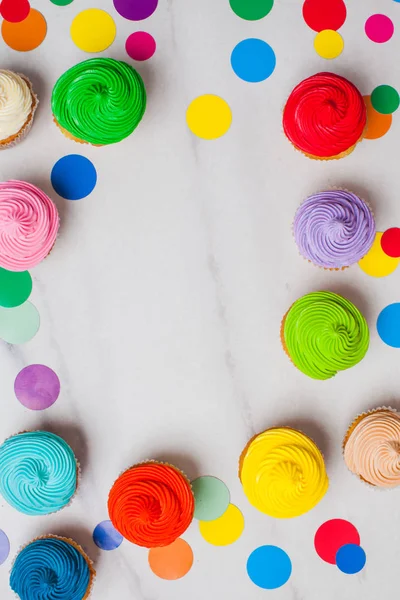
(329,14)
(390,242)
(331,536)
(14,11)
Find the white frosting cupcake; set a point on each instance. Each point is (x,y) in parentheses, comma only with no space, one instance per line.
(17,106)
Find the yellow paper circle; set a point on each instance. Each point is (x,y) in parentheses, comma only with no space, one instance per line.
(225,530)
(376,263)
(93,30)
(209,117)
(328,44)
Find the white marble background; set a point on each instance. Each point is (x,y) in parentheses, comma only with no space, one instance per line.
(161,302)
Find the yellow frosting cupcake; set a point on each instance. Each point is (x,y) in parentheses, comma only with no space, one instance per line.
(283,473)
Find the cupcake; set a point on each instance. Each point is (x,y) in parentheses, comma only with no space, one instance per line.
(325,116)
(51,568)
(371,448)
(17,107)
(283,473)
(29,225)
(334,229)
(151,504)
(99,101)
(323,333)
(38,472)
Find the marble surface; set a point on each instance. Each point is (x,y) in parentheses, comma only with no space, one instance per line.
(161,303)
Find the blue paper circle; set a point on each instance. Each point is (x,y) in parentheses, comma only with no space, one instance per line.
(253,60)
(269,567)
(106,537)
(73,177)
(388,325)
(350,559)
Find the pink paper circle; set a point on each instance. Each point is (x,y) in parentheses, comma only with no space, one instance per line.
(37,387)
(379,28)
(140,45)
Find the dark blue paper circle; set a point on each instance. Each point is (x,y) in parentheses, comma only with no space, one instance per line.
(106,537)
(350,559)
(73,177)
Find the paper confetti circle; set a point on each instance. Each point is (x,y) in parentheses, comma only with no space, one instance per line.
(390,242)
(93,30)
(329,14)
(351,559)
(173,561)
(4,547)
(376,263)
(135,10)
(14,11)
(140,45)
(269,567)
(26,35)
(251,10)
(253,60)
(209,117)
(377,124)
(15,287)
(379,28)
(328,44)
(225,530)
(61,2)
(388,325)
(331,536)
(37,387)
(211,497)
(106,537)
(19,325)
(73,177)
(385,99)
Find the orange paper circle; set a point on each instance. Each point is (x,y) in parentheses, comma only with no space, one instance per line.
(377,124)
(25,35)
(173,561)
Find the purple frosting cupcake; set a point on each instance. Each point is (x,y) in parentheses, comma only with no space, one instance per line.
(334,229)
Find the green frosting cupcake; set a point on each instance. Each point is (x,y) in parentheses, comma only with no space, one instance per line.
(324,333)
(100,100)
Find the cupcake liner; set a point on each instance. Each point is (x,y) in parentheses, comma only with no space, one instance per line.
(282,335)
(23,132)
(329,189)
(69,135)
(350,430)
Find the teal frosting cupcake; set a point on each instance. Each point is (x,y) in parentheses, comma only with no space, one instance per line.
(99,101)
(38,472)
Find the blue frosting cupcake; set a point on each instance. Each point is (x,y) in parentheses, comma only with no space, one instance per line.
(52,568)
(38,472)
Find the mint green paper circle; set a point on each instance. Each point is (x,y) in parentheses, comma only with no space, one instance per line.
(19,325)
(211,498)
(15,287)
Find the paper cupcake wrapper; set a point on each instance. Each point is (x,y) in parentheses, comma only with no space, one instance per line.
(349,431)
(22,133)
(76,546)
(329,189)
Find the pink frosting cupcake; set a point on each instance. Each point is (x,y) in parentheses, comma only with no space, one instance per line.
(29,224)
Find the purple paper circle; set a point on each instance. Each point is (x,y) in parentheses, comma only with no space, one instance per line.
(37,387)
(4,547)
(135,10)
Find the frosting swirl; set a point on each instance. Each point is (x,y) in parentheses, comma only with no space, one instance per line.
(334,229)
(50,568)
(38,472)
(16,103)
(372,449)
(100,100)
(325,115)
(29,224)
(151,504)
(324,333)
(283,473)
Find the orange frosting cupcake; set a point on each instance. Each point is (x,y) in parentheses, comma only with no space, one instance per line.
(151,504)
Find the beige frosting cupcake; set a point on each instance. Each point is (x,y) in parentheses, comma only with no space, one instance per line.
(17,107)
(371,448)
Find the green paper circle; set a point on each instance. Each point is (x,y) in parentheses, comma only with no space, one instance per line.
(15,288)
(251,10)
(211,497)
(61,2)
(19,325)
(385,99)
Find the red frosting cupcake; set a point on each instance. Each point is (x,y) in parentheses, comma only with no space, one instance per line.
(325,116)
(151,504)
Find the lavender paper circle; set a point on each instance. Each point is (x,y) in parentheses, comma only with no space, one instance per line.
(4,547)
(37,387)
(135,10)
